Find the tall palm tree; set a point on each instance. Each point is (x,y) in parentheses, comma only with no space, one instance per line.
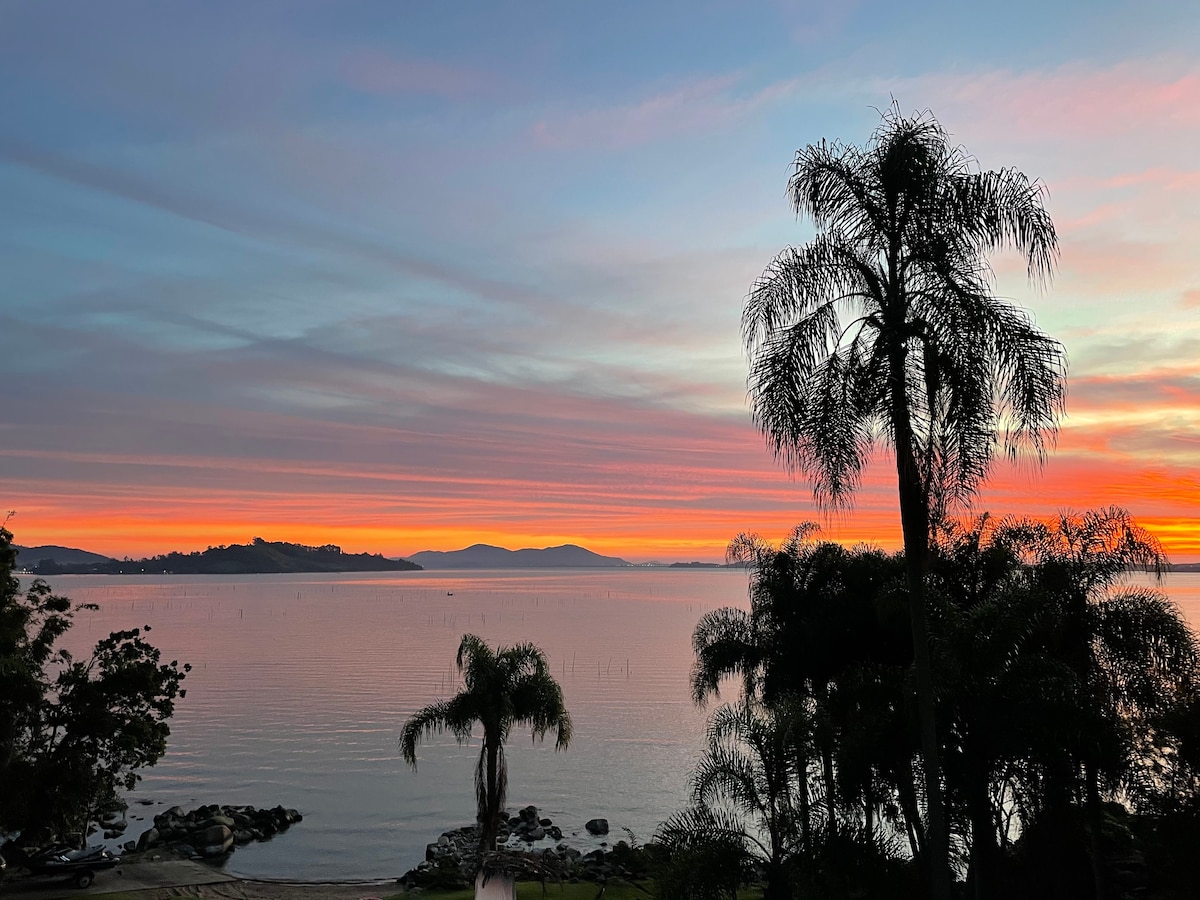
(885,329)
(502,688)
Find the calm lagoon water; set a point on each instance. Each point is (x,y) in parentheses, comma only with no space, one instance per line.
(300,686)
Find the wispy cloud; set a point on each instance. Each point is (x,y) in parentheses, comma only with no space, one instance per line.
(1077,101)
(700,105)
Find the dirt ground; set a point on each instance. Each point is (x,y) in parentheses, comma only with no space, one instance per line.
(267,890)
(163,879)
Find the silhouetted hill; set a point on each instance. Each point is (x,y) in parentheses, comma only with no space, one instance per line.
(63,556)
(485,556)
(256,558)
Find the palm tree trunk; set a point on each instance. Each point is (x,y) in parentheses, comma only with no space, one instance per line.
(1094,827)
(869,813)
(981,875)
(825,736)
(805,805)
(914,524)
(489,821)
(906,787)
(776,887)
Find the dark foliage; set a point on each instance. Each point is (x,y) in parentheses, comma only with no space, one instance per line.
(1069,717)
(73,732)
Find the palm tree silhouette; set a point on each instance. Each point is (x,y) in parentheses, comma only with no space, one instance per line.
(1129,648)
(885,329)
(1038,628)
(502,688)
(813,642)
(743,788)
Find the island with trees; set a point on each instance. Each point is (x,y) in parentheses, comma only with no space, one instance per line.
(259,557)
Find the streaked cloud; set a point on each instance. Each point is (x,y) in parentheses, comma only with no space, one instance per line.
(697,106)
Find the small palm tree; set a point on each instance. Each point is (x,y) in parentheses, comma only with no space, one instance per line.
(502,688)
(743,788)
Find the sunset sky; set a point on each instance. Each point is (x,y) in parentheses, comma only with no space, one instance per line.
(407,276)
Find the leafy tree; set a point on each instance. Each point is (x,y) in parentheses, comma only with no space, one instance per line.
(73,733)
(885,329)
(502,688)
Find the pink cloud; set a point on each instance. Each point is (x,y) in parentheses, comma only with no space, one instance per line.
(1073,100)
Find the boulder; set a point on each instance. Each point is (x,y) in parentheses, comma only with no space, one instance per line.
(213,840)
(596,826)
(150,838)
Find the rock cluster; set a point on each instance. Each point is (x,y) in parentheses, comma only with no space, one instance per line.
(450,861)
(213,830)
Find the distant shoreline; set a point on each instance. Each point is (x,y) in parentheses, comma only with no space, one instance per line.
(259,557)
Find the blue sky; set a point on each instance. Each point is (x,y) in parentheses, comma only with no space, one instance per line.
(409,275)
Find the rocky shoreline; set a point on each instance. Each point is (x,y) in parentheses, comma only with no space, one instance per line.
(450,861)
(209,831)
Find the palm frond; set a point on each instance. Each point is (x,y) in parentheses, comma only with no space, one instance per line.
(904,228)
(433,719)
(725,644)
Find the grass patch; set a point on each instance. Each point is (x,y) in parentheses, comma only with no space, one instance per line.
(533,890)
(584,890)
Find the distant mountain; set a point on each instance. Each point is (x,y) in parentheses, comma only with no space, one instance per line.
(256,558)
(63,556)
(484,556)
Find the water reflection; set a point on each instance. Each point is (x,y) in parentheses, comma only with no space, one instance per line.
(300,685)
